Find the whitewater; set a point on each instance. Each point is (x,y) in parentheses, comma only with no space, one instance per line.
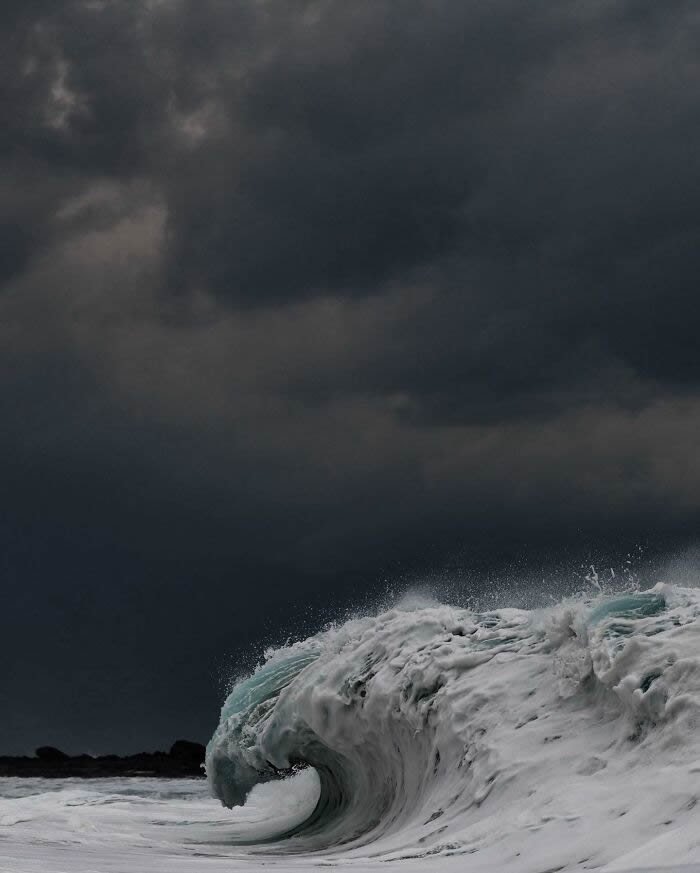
(428,737)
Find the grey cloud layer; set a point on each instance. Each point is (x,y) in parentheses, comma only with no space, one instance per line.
(533,164)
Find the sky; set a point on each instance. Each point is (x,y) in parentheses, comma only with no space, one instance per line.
(303,299)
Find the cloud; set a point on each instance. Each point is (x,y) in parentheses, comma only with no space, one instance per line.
(293,293)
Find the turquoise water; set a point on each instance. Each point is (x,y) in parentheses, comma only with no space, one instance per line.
(642,604)
(266,682)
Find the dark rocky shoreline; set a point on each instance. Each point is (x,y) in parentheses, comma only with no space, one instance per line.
(184,760)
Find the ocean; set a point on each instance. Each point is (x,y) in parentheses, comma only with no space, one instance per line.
(426,737)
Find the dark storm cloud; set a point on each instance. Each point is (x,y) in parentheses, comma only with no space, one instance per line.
(534,164)
(297,293)
(351,137)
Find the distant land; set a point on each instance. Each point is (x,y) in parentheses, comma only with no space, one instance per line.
(184,759)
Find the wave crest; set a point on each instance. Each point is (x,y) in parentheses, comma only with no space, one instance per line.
(422,723)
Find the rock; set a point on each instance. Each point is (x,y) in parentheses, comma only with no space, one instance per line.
(185,750)
(50,754)
(183,761)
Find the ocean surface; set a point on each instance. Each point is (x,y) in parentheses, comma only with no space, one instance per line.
(427,737)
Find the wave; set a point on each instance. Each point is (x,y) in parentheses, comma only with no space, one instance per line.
(440,730)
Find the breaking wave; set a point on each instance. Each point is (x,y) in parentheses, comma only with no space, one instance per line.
(437,730)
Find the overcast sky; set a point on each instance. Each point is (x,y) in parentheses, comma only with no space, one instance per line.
(299,299)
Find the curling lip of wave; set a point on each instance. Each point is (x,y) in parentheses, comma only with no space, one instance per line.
(440,731)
